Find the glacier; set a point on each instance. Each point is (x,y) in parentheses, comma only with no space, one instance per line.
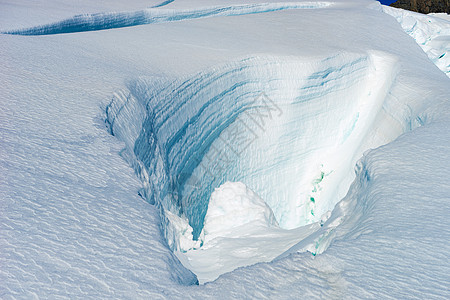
(293,152)
(101,21)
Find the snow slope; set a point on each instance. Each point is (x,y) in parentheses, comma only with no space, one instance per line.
(73,225)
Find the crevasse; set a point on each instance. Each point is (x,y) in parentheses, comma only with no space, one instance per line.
(110,20)
(432,34)
(290,129)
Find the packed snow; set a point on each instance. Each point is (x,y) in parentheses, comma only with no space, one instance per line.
(260,149)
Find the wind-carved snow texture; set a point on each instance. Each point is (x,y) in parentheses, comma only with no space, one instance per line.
(431,33)
(259,122)
(102,21)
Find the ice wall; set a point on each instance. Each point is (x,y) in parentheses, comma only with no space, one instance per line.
(290,129)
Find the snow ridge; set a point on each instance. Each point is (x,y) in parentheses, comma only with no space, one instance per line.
(102,21)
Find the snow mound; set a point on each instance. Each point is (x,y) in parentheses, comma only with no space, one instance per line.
(232,206)
(240,230)
(102,21)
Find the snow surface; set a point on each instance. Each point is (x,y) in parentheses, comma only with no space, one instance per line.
(334,81)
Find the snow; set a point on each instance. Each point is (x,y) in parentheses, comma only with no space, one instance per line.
(239,230)
(440,15)
(342,193)
(183,164)
(431,32)
(101,21)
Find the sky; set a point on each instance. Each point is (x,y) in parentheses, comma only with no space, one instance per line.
(387,2)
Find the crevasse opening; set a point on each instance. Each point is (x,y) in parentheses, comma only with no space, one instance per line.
(279,135)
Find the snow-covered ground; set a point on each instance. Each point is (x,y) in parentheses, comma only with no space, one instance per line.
(242,136)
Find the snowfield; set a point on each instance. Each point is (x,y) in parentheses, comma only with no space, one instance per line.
(223,149)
